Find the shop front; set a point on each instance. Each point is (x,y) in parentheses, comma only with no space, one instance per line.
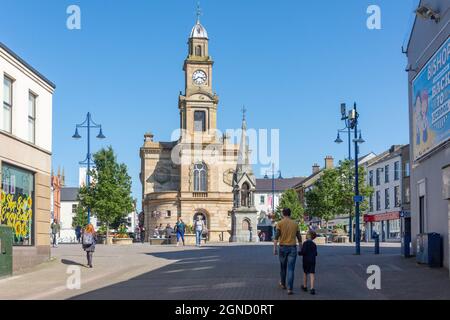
(386,225)
(17,203)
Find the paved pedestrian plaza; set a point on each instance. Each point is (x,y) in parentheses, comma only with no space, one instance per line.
(227,271)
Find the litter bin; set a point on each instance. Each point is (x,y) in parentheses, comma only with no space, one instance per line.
(6,241)
(430,249)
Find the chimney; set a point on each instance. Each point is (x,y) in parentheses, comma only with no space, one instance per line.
(148,137)
(315,168)
(329,162)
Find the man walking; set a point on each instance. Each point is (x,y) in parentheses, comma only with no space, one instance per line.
(55,231)
(286,235)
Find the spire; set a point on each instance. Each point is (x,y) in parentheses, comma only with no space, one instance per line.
(198,31)
(243,165)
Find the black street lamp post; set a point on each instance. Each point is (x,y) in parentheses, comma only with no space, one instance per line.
(349,129)
(88,124)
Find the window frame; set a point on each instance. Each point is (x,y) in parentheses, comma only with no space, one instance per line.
(387,200)
(396,170)
(387,178)
(397,196)
(33,117)
(203,121)
(200,177)
(378,200)
(9,104)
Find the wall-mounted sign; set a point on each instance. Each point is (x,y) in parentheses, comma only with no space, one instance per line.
(431,103)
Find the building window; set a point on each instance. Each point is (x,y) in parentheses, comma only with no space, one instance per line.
(169,213)
(200,177)
(378,200)
(386,174)
(397,170)
(371,178)
(407,171)
(32,117)
(262,199)
(378,176)
(17,204)
(198,51)
(397,196)
(386,199)
(7,104)
(74,208)
(371,203)
(199,121)
(407,196)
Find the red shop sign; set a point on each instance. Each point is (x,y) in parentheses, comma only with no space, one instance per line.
(382,217)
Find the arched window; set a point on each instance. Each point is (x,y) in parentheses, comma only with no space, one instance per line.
(246,226)
(200,177)
(198,51)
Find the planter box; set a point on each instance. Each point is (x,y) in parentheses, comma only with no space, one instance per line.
(320,240)
(189,239)
(122,241)
(104,240)
(341,239)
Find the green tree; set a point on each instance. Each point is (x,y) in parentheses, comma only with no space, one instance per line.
(109,196)
(346,176)
(80,218)
(321,200)
(333,194)
(289,199)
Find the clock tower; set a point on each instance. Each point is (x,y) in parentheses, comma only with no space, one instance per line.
(198,104)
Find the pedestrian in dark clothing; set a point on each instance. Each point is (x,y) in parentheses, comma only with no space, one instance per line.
(287,235)
(142,235)
(78,233)
(309,253)
(89,240)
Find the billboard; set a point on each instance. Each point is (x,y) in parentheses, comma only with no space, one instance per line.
(431,103)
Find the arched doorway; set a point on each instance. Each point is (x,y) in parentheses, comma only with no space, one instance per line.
(203,215)
(247,228)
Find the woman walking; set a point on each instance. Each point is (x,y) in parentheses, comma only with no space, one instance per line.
(89,240)
(180,227)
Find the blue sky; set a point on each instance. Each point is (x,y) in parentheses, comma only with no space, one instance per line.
(290,62)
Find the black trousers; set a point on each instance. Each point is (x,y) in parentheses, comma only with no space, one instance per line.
(89,255)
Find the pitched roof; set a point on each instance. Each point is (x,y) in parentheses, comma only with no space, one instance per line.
(69,194)
(265,185)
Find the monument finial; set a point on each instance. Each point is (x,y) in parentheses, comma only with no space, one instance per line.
(199,11)
(244,111)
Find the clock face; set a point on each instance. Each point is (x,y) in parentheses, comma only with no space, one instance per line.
(199,77)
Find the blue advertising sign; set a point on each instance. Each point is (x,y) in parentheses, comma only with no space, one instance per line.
(431,103)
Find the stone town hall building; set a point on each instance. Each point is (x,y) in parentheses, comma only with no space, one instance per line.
(193,175)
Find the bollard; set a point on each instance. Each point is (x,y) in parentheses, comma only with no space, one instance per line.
(377,244)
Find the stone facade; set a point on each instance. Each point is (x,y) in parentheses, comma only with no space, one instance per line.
(193,175)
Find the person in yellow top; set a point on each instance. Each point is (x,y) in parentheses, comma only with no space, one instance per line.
(286,236)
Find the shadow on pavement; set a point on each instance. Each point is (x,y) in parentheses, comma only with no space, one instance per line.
(252,273)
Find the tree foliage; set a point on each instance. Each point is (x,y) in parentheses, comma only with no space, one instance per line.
(80,218)
(333,194)
(109,196)
(289,199)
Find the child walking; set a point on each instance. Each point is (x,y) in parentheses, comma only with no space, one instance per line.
(309,253)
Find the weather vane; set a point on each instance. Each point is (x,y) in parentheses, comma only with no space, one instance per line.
(244,111)
(199,11)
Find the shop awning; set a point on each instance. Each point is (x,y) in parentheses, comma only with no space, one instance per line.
(382,216)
